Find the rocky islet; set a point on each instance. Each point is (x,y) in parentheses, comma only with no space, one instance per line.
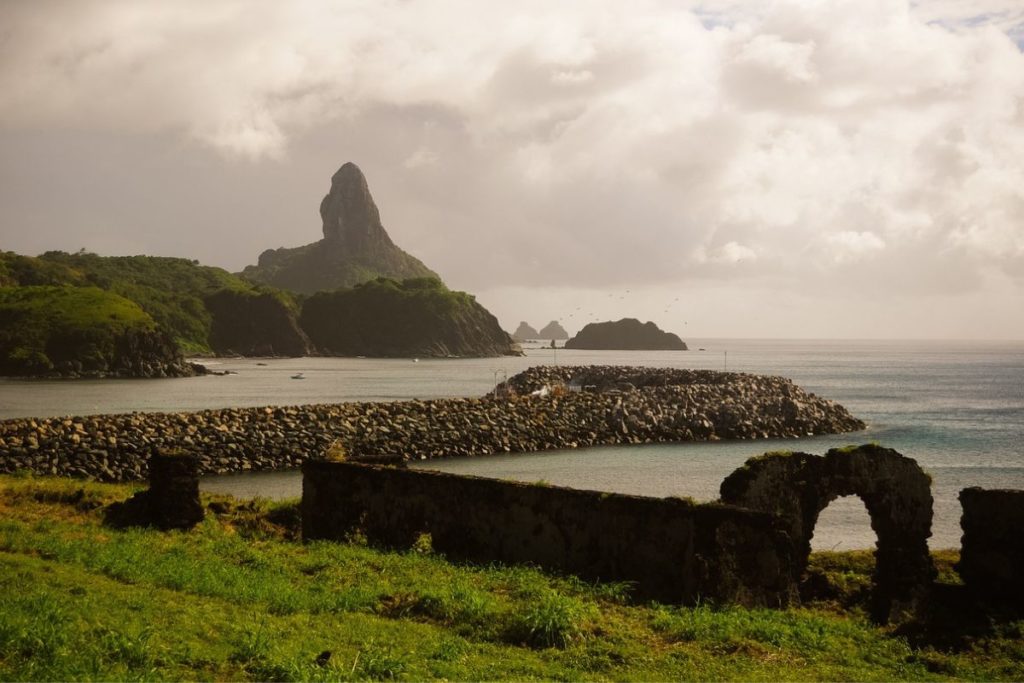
(614,405)
(627,334)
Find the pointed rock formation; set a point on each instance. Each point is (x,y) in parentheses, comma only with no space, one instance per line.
(553,331)
(525,332)
(355,247)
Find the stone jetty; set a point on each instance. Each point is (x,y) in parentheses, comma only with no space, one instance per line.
(581,406)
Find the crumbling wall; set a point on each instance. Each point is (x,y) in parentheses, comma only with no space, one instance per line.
(673,550)
(895,491)
(172,500)
(992,548)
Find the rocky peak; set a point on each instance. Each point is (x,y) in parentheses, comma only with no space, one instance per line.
(524,332)
(553,331)
(350,216)
(355,247)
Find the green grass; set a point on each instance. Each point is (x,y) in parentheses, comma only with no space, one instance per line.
(239,597)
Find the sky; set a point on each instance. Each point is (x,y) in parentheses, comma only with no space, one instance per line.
(742,168)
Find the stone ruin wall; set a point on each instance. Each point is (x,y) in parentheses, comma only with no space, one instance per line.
(992,549)
(673,550)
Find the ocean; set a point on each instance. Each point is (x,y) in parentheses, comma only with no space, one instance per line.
(955,407)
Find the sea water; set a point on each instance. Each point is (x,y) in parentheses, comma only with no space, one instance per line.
(955,407)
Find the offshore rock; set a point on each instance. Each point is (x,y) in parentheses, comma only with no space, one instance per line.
(525,332)
(552,331)
(355,247)
(628,334)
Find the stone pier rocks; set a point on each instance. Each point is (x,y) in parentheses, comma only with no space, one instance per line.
(895,491)
(173,496)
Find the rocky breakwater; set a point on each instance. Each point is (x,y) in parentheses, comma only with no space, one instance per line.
(621,405)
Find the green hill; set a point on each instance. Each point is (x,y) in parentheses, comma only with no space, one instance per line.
(417,317)
(206,310)
(176,293)
(69,330)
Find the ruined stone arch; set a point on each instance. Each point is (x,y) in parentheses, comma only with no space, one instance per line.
(894,489)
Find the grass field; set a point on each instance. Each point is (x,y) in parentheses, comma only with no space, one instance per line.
(239,597)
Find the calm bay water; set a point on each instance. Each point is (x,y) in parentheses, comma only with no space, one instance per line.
(955,407)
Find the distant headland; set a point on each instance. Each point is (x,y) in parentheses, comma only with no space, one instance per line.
(352,293)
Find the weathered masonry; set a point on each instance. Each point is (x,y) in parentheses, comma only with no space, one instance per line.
(751,550)
(895,491)
(672,549)
(992,550)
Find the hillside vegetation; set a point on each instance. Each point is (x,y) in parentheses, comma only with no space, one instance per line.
(80,330)
(417,317)
(239,598)
(207,310)
(175,293)
(172,290)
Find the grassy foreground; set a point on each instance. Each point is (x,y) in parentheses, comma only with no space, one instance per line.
(240,598)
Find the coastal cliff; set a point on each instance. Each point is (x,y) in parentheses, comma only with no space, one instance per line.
(250,323)
(414,318)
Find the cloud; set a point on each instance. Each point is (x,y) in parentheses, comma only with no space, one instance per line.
(586,143)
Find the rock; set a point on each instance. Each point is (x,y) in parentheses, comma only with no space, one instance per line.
(552,331)
(355,247)
(628,334)
(524,332)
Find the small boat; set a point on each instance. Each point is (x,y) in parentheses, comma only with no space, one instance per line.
(298,375)
(415,360)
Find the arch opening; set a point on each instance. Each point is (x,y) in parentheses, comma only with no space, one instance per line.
(843,525)
(841,566)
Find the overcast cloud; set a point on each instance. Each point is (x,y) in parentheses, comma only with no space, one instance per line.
(834,168)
